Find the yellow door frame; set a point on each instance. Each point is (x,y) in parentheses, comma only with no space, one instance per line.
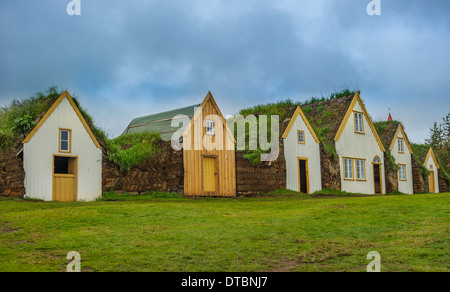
(76,175)
(307,174)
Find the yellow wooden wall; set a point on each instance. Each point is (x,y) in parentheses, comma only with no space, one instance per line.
(192,159)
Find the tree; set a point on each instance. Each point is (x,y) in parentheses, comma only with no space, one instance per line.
(436,136)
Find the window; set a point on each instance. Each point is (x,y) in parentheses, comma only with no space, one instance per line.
(360,169)
(431,166)
(300,137)
(65,136)
(359,126)
(376,160)
(348,169)
(402,172)
(400,146)
(209,127)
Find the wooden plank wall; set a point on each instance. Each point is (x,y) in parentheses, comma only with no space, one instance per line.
(192,159)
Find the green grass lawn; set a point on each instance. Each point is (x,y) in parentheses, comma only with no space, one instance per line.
(271,233)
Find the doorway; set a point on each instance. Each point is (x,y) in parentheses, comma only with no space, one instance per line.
(65,171)
(377,178)
(303,175)
(210,177)
(432,182)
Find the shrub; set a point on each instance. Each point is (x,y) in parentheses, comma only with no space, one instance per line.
(130,150)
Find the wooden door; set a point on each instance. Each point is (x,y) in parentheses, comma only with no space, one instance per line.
(377,178)
(432,182)
(209,174)
(64,187)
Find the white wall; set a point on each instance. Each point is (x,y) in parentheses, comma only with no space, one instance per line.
(310,150)
(362,146)
(403,158)
(39,151)
(429,163)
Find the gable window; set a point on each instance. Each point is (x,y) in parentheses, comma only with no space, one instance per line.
(65,136)
(300,137)
(401,146)
(209,127)
(360,169)
(359,125)
(402,172)
(348,168)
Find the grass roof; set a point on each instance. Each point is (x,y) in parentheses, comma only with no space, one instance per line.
(325,115)
(19,118)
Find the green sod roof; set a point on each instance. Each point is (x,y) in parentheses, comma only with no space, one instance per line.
(160,122)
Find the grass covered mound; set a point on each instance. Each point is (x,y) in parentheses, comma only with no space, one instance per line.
(130,150)
(324,114)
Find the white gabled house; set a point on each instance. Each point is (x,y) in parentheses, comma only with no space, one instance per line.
(360,152)
(401,150)
(302,155)
(62,157)
(432,165)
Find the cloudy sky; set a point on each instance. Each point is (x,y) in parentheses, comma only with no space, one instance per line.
(125,59)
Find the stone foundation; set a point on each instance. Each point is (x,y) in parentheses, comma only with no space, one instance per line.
(164,173)
(262,178)
(12,176)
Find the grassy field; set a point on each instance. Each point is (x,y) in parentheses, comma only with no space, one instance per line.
(271,233)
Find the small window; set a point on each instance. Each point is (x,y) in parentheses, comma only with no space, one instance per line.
(64,140)
(359,126)
(400,146)
(402,172)
(376,160)
(301,137)
(209,127)
(348,168)
(360,169)
(431,166)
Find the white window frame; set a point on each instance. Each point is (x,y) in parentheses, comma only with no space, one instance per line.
(298,137)
(69,138)
(360,169)
(210,127)
(348,169)
(359,122)
(401,146)
(402,172)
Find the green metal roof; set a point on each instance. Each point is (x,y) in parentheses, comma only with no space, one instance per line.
(160,122)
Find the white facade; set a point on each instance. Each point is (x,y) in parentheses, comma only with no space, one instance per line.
(39,151)
(403,159)
(359,146)
(431,165)
(309,150)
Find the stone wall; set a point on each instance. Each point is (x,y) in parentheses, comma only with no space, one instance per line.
(163,173)
(330,170)
(391,177)
(443,184)
(12,176)
(419,184)
(262,178)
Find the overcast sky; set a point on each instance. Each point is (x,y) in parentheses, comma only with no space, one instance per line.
(125,59)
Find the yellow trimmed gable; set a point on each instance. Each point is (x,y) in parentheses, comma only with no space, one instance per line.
(431,154)
(65,94)
(299,112)
(358,99)
(405,138)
